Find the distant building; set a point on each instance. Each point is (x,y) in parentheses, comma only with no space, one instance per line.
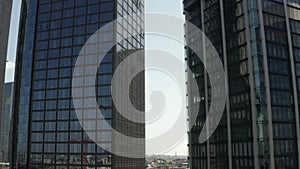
(5,13)
(167,164)
(258,42)
(6,118)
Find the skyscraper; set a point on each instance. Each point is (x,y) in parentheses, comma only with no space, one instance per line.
(6,118)
(5,11)
(258,43)
(47,132)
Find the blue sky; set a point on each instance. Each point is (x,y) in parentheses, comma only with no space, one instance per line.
(171,7)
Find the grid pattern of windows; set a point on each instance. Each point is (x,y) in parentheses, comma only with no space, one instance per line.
(130,25)
(198,152)
(202,156)
(56,138)
(217,143)
(239,89)
(22,95)
(246,66)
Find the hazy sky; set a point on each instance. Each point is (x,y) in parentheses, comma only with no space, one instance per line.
(172,7)
(161,81)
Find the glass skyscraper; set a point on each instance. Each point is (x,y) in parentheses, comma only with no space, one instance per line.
(258,42)
(47,133)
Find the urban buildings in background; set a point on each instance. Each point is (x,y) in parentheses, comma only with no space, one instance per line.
(166,162)
(6,119)
(5,13)
(47,133)
(259,45)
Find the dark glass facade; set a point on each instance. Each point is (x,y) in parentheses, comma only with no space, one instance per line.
(47,132)
(6,122)
(257,41)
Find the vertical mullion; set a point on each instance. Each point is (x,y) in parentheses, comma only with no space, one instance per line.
(295,93)
(205,83)
(267,84)
(222,12)
(252,86)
